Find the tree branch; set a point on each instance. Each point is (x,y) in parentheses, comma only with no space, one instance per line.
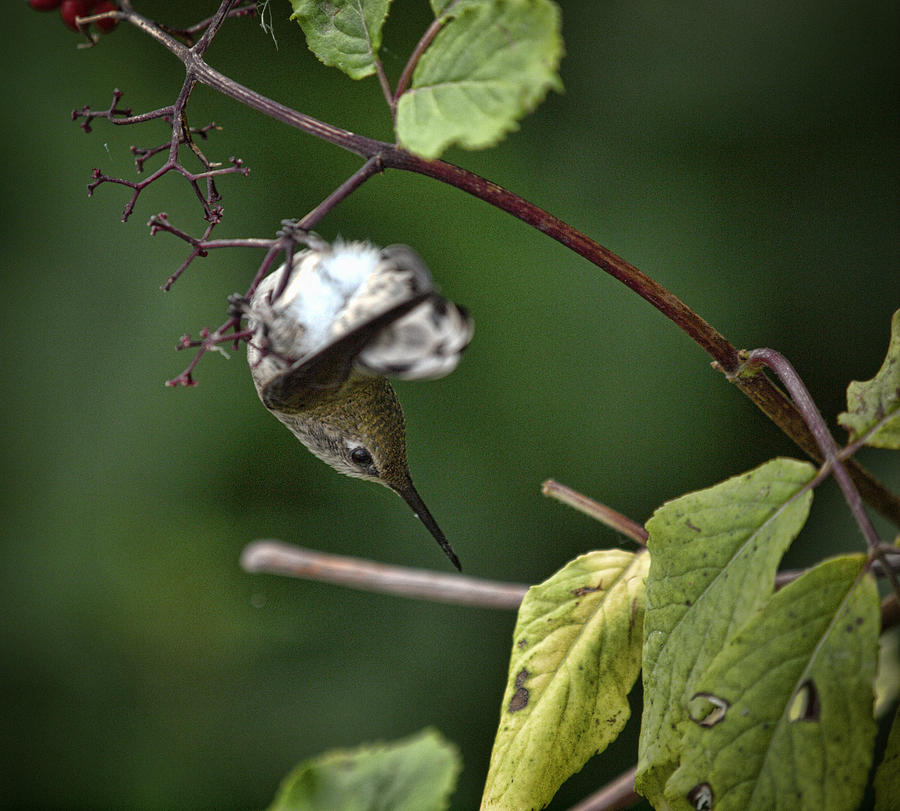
(274,557)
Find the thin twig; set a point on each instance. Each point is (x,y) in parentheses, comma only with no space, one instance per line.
(385,85)
(616,794)
(600,512)
(829,450)
(275,557)
(421,46)
(247,10)
(833,462)
(369,169)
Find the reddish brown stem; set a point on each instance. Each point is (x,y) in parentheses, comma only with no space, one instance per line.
(756,386)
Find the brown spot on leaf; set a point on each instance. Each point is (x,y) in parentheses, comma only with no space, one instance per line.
(519,700)
(522,644)
(582,590)
(521,676)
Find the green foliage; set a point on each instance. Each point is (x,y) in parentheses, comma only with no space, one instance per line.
(576,654)
(873,406)
(887,778)
(447,9)
(782,717)
(490,65)
(414,774)
(344,34)
(714,557)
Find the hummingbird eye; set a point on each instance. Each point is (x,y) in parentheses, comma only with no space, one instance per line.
(361,457)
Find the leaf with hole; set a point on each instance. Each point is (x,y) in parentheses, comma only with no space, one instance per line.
(576,654)
(414,774)
(796,680)
(344,34)
(489,66)
(714,558)
(873,406)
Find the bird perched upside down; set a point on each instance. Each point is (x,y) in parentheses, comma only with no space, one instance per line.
(349,315)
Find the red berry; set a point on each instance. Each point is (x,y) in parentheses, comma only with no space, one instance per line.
(44,5)
(70,9)
(109,23)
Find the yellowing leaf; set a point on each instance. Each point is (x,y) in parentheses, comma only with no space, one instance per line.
(576,654)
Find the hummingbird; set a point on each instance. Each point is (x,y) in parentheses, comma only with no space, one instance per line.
(327,333)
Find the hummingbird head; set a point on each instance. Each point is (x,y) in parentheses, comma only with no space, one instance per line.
(360,431)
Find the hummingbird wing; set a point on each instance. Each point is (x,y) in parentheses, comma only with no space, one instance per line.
(319,374)
(424,343)
(394,324)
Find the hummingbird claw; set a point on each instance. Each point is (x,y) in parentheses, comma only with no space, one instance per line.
(237,305)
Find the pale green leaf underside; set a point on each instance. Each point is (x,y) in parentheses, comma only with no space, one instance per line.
(414,774)
(714,558)
(887,777)
(796,683)
(343,34)
(875,404)
(490,65)
(576,654)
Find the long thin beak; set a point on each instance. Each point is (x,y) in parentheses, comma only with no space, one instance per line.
(411,497)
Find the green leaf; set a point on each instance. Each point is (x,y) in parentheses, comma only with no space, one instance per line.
(438,6)
(887,778)
(343,34)
(414,774)
(874,405)
(576,654)
(782,718)
(452,8)
(714,558)
(488,67)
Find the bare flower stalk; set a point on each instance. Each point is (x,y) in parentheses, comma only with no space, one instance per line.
(600,512)
(274,557)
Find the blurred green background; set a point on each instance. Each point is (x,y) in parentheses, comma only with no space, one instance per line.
(746,157)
